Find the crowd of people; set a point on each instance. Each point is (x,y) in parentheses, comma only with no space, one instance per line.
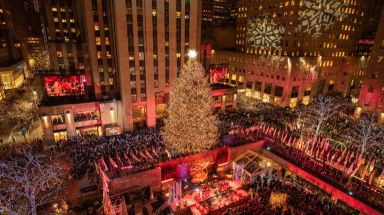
(86,151)
(299,199)
(319,159)
(340,179)
(12,150)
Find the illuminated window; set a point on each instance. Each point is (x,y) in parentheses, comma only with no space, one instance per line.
(55,19)
(379,59)
(97,26)
(98,41)
(53,9)
(106,40)
(59,54)
(293,102)
(72,20)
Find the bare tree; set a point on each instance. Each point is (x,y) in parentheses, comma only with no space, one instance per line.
(315,116)
(366,134)
(28,180)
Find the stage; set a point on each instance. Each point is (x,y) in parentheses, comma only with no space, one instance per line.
(212,197)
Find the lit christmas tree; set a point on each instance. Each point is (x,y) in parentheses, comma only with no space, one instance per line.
(191,126)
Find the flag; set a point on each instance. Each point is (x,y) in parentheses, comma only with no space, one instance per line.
(142,155)
(289,141)
(127,159)
(352,156)
(154,152)
(103,164)
(333,157)
(372,166)
(119,161)
(274,133)
(147,153)
(329,153)
(371,178)
(341,156)
(134,157)
(366,169)
(113,163)
(350,168)
(360,161)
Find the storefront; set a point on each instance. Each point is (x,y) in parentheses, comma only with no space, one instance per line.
(89,130)
(60,135)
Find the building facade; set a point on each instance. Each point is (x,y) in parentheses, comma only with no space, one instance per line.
(299,38)
(152,39)
(64,37)
(13,51)
(279,80)
(98,30)
(372,92)
(131,50)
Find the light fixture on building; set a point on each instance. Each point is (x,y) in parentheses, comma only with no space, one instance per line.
(68,114)
(112,112)
(357,113)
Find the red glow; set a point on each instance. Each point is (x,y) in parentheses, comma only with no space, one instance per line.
(217,74)
(64,85)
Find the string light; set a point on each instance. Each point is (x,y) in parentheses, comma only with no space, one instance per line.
(191,126)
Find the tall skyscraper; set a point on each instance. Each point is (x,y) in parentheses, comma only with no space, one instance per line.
(218,22)
(13,52)
(372,92)
(98,30)
(64,37)
(152,38)
(11,33)
(115,61)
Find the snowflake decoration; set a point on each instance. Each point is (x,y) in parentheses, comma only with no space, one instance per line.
(264,33)
(318,15)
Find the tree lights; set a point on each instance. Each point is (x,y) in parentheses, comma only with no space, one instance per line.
(191,126)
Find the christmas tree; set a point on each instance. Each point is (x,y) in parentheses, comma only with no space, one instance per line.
(191,126)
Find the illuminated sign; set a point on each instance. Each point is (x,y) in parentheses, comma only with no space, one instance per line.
(264,33)
(366,42)
(217,74)
(64,85)
(316,16)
